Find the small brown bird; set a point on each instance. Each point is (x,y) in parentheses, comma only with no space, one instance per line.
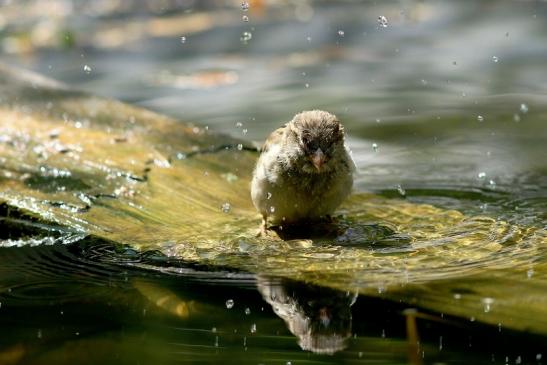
(304,171)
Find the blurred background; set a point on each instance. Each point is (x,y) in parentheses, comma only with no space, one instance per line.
(443,102)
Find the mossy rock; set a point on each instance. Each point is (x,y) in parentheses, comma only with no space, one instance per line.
(103,168)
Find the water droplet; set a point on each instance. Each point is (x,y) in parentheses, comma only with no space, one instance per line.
(492,184)
(87,69)
(246,37)
(245,18)
(523,108)
(516,117)
(499,327)
(230,303)
(454,63)
(375,147)
(269,195)
(247,311)
(518,360)
(253,328)
(182,39)
(480,118)
(244,131)
(239,124)
(181,156)
(360,354)
(226,207)
(272,209)
(530,273)
(39,334)
(307,85)
(245,6)
(216,341)
(383,333)
(378,120)
(341,33)
(214,329)
(487,303)
(495,59)
(239,146)
(400,190)
(382,21)
(538,357)
(288,363)
(457,296)
(481,175)
(424,82)
(308,39)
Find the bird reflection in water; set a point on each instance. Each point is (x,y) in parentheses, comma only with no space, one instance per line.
(319,317)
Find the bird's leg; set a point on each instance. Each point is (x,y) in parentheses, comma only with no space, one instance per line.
(263,231)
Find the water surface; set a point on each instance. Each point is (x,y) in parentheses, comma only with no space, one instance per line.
(444,106)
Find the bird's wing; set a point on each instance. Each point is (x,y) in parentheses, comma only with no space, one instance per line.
(274,138)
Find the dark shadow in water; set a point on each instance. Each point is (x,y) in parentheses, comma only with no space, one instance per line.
(344,232)
(319,317)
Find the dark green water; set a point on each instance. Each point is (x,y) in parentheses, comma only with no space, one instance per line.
(79,304)
(448,102)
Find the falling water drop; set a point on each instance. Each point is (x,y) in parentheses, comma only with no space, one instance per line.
(246,37)
(487,304)
(382,21)
(341,33)
(230,303)
(183,39)
(226,207)
(495,59)
(480,118)
(245,6)
(375,147)
(400,190)
(523,108)
(87,69)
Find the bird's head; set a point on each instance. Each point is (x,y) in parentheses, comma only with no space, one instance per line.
(318,140)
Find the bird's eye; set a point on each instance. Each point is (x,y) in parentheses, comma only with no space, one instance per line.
(305,140)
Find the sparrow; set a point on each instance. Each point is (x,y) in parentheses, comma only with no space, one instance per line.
(304,171)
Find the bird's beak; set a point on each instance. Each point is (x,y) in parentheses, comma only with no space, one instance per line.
(318,159)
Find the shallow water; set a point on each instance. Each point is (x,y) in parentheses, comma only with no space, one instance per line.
(410,96)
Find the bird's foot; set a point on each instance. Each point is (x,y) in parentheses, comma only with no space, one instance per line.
(263,230)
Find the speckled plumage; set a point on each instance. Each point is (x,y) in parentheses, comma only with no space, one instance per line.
(304,171)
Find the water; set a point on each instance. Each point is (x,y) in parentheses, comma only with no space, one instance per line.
(443,104)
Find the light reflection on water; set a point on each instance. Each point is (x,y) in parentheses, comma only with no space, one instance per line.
(414,89)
